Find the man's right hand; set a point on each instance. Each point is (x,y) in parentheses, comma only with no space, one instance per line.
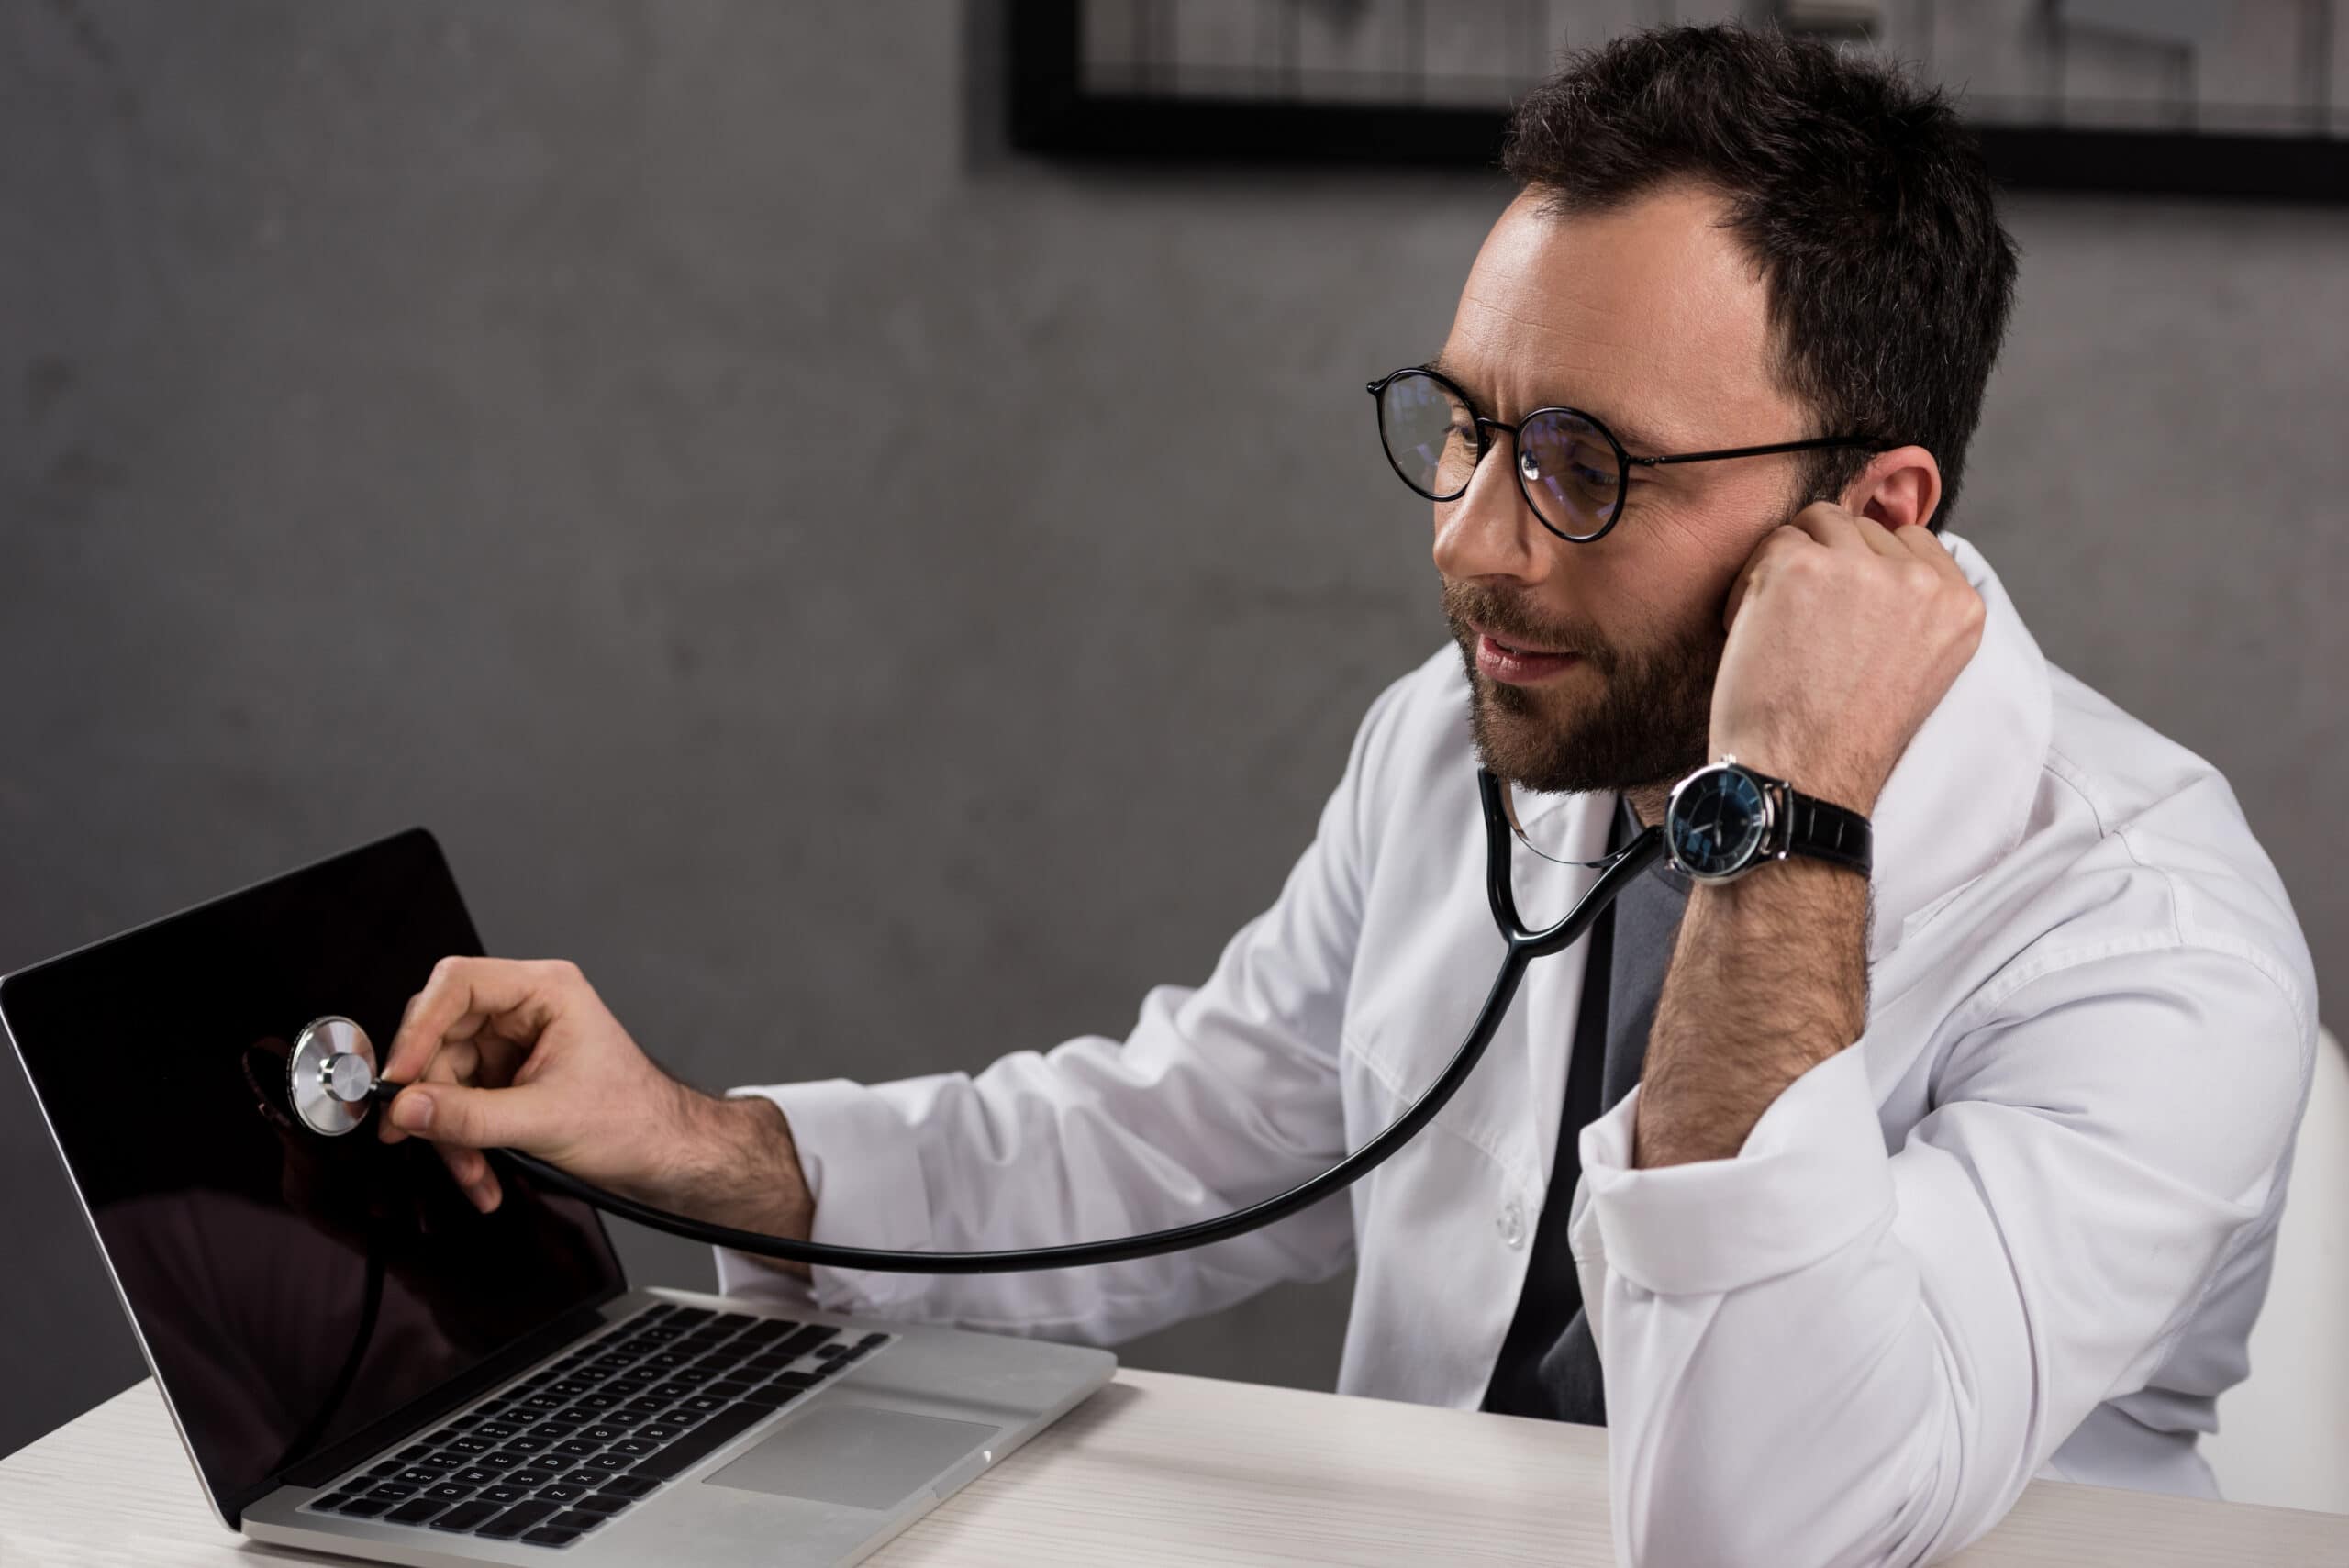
(507,1054)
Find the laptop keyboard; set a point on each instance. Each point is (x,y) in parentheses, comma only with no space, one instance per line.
(582,1440)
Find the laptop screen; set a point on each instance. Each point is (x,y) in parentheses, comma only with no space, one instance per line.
(291,1289)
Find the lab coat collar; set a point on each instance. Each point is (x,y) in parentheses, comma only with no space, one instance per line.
(1960,796)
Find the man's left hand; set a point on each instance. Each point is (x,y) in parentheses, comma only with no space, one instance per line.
(1844,634)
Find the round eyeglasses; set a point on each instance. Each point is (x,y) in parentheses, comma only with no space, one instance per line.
(1571,468)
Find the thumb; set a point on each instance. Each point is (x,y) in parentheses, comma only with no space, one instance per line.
(473,1118)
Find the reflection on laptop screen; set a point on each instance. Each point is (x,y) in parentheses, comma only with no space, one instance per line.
(291,1289)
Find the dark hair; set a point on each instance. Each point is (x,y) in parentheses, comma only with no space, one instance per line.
(1862,196)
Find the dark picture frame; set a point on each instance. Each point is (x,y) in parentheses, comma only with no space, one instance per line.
(1053,114)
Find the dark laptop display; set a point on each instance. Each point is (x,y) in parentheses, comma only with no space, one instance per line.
(293,1290)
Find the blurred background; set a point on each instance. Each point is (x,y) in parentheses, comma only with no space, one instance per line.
(879,592)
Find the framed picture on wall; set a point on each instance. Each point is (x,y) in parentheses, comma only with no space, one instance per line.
(2200,97)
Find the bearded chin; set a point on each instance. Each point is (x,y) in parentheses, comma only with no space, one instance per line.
(1648,724)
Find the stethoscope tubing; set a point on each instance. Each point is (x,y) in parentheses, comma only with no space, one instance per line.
(1523,947)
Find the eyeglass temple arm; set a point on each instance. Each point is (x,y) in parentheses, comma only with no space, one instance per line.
(1815,443)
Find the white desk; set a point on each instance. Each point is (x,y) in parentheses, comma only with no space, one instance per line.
(1161,1469)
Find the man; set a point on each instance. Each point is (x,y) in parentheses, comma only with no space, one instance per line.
(1849,1199)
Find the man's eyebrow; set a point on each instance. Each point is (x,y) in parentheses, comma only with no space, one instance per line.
(1635,439)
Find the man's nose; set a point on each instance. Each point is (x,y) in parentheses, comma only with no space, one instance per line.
(1491,532)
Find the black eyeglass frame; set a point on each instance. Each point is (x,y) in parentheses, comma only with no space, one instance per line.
(1623,459)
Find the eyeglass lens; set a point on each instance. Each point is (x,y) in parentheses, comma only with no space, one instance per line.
(1567,465)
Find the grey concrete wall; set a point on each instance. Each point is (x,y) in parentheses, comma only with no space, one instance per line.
(875,602)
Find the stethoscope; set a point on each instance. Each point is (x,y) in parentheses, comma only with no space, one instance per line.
(331,1083)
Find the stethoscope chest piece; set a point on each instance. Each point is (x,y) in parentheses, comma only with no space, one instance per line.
(329,1075)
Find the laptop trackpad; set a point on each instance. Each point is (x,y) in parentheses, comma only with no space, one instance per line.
(856,1455)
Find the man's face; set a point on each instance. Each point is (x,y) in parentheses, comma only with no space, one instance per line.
(1650,318)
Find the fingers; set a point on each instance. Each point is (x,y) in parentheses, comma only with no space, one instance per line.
(473,1002)
(469,1168)
(1929,547)
(1783,537)
(459,996)
(472,1117)
(1833,525)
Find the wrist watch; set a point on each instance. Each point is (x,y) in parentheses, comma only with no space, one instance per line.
(1725,819)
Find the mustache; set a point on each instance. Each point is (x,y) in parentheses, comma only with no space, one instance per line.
(1466,605)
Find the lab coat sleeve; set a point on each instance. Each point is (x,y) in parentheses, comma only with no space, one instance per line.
(1219,1096)
(1820,1353)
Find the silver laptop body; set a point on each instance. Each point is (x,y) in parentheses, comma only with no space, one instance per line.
(359,1362)
(824,1478)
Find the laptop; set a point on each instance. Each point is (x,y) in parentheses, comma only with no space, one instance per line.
(359,1363)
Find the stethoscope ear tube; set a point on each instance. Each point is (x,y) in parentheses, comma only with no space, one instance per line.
(1523,947)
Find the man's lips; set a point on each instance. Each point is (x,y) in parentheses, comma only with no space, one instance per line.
(1514,644)
(1515,666)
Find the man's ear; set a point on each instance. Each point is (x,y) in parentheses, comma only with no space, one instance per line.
(1898,487)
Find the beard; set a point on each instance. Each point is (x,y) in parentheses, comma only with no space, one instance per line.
(1649,723)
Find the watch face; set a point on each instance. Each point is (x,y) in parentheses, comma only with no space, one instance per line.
(1717,821)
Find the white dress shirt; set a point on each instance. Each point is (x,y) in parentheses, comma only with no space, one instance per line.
(2020,1227)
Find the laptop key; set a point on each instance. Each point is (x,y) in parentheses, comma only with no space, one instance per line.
(388,1467)
(502,1461)
(700,1443)
(535,1475)
(691,1315)
(604,1503)
(628,1486)
(393,1491)
(611,1461)
(525,1443)
(495,1430)
(504,1492)
(588,1478)
(577,1520)
(659,1431)
(422,1475)
(806,1339)
(547,1535)
(705,1404)
(448,1492)
(471,1444)
(466,1515)
(518,1519)
(634,1446)
(576,1448)
(415,1511)
(563,1492)
(364,1508)
(475,1475)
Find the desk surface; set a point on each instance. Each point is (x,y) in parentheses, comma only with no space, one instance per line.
(1163,1470)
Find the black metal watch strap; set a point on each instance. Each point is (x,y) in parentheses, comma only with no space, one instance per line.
(1828,832)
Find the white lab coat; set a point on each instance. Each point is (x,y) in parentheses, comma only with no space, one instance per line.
(2020,1227)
